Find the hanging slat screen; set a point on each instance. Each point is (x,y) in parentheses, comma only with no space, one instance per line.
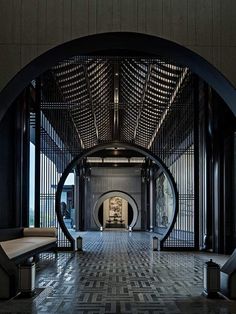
(174,144)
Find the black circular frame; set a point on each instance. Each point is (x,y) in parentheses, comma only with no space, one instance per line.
(97,148)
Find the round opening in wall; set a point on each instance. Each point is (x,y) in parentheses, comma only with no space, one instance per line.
(116,210)
(113,88)
(135,175)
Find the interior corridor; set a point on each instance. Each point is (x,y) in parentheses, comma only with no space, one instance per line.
(118,272)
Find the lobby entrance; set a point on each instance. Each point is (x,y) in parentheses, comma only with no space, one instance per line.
(155,98)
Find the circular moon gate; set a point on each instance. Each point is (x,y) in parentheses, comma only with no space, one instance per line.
(134,147)
(118,43)
(116,193)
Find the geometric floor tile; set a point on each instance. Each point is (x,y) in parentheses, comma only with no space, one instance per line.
(118,272)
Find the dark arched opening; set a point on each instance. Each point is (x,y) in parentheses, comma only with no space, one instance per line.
(133,214)
(145,152)
(119,44)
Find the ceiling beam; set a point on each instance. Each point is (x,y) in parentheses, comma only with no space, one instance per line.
(60,105)
(145,87)
(164,114)
(91,100)
(116,122)
(53,105)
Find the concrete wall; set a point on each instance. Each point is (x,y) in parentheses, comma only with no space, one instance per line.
(103,180)
(30,27)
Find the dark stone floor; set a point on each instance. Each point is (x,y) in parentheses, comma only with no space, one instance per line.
(119,273)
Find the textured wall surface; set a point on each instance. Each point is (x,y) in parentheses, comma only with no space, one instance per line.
(30,27)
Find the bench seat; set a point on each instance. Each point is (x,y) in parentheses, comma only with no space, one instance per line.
(33,240)
(18,247)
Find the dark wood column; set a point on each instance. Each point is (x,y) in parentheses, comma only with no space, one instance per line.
(37,151)
(202,169)
(77,197)
(216,133)
(223,156)
(144,213)
(82,195)
(22,156)
(14,164)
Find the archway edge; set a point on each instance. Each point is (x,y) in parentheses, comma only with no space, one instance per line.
(119,41)
(97,148)
(117,193)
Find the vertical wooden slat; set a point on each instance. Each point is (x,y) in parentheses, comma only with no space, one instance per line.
(37,152)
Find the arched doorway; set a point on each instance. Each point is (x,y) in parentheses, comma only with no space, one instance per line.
(163,233)
(124,222)
(115,43)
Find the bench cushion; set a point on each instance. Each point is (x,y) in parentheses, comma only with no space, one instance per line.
(20,246)
(40,232)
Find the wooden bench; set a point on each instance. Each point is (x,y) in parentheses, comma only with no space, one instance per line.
(16,246)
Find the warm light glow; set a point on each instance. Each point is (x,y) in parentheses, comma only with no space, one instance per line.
(116,160)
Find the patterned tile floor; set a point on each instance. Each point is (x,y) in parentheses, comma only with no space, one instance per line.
(119,273)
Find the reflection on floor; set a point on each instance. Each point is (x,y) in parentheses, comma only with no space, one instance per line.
(118,273)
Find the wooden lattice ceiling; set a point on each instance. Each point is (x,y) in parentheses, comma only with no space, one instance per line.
(95,91)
